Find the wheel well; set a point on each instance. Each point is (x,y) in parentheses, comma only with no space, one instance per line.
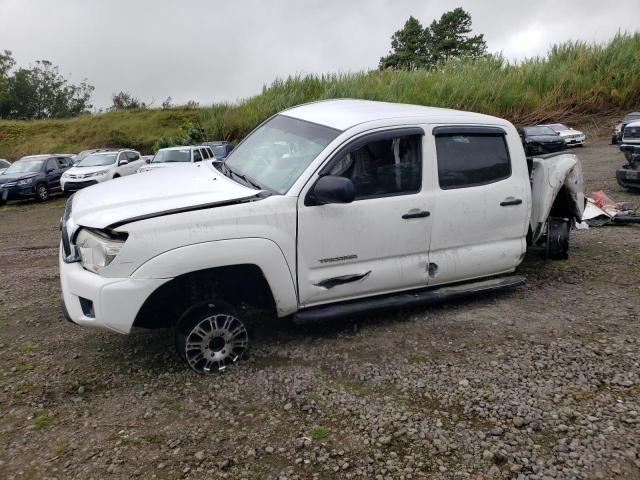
(562,205)
(239,285)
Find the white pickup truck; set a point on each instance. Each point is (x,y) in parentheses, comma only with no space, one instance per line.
(372,206)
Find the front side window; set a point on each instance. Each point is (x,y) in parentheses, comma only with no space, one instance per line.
(390,166)
(196,156)
(467,160)
(278,152)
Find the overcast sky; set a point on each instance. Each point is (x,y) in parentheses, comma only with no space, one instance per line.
(214,50)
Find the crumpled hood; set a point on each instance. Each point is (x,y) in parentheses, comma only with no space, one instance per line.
(142,196)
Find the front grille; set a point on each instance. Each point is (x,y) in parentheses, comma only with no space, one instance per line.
(631,132)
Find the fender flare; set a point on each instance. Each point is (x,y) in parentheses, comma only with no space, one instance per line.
(261,252)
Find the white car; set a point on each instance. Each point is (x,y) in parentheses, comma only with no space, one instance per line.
(99,167)
(571,136)
(175,156)
(373,206)
(631,133)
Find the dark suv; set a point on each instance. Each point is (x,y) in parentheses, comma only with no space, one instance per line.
(34,176)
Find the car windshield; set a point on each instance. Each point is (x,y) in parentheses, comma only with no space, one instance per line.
(220,151)
(166,156)
(558,127)
(24,166)
(98,160)
(4,163)
(631,117)
(277,153)
(539,131)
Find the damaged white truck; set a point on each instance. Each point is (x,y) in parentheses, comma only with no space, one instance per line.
(325,210)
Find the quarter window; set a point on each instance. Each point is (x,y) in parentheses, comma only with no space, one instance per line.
(470,159)
(391,166)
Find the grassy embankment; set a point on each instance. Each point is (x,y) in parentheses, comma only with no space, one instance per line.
(576,81)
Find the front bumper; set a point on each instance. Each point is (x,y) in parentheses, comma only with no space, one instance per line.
(628,178)
(573,142)
(75,185)
(17,192)
(105,303)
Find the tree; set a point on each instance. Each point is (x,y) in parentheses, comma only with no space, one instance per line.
(39,91)
(126,101)
(416,47)
(167,103)
(450,37)
(409,47)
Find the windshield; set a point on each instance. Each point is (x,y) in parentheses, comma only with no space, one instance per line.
(558,127)
(277,153)
(4,163)
(165,156)
(631,117)
(98,160)
(24,166)
(220,151)
(539,131)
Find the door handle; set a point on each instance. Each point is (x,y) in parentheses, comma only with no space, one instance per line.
(510,201)
(415,213)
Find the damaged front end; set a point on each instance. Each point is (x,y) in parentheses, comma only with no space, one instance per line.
(628,176)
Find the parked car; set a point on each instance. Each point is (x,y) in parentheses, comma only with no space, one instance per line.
(540,140)
(616,136)
(33,176)
(381,206)
(4,164)
(99,167)
(631,133)
(571,136)
(221,149)
(628,176)
(175,156)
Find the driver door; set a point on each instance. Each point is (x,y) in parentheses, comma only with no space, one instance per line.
(377,244)
(53,174)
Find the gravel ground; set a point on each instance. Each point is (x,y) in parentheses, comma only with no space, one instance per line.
(541,382)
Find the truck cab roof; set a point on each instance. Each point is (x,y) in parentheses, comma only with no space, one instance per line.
(343,114)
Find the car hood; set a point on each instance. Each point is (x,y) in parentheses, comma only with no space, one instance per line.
(82,171)
(544,138)
(12,177)
(169,190)
(154,166)
(571,131)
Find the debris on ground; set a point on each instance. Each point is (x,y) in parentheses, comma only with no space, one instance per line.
(602,210)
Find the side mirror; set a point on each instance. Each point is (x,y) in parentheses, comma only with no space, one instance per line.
(123,162)
(331,189)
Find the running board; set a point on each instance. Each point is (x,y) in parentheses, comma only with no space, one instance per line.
(405,299)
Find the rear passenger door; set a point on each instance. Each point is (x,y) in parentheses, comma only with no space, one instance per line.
(134,162)
(483,203)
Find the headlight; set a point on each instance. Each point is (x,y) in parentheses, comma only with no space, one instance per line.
(96,174)
(98,249)
(26,181)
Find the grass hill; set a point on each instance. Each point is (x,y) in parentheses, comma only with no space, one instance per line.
(573,82)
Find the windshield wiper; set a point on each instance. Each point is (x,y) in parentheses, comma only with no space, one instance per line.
(230,173)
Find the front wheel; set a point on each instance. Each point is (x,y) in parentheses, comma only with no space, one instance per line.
(210,336)
(42,193)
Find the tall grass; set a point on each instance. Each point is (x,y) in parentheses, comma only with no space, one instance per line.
(575,79)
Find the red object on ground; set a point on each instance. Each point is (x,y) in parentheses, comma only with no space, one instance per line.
(602,200)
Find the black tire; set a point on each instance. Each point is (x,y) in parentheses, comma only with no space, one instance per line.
(209,337)
(558,230)
(41,192)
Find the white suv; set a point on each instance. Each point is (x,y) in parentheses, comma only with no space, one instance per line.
(174,156)
(100,167)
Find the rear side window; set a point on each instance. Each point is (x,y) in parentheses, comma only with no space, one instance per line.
(205,154)
(133,156)
(469,159)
